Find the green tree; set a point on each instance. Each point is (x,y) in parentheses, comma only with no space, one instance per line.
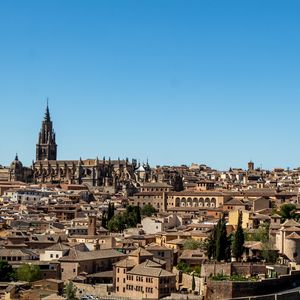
(268,253)
(70,291)
(221,240)
(210,244)
(184,267)
(238,240)
(111,211)
(148,210)
(260,234)
(191,244)
(287,211)
(6,271)
(218,243)
(117,223)
(27,272)
(193,283)
(137,212)
(104,220)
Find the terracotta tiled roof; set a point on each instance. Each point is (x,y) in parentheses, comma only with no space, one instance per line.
(143,270)
(140,252)
(290,223)
(294,236)
(75,255)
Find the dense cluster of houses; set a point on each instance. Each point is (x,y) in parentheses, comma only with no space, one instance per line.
(58,227)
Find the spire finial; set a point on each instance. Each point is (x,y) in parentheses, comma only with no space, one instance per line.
(16,158)
(47,114)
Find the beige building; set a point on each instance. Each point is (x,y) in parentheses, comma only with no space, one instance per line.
(233,218)
(163,201)
(288,240)
(141,277)
(76,262)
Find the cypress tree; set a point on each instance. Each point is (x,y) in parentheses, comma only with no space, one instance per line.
(193,283)
(104,220)
(221,240)
(137,212)
(110,211)
(211,244)
(238,240)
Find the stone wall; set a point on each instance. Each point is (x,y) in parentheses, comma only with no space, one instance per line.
(248,269)
(98,290)
(281,296)
(229,269)
(215,268)
(187,282)
(232,289)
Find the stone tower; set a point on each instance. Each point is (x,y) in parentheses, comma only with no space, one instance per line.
(250,166)
(46,148)
(92,226)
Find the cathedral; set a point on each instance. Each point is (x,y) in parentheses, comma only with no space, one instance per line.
(112,175)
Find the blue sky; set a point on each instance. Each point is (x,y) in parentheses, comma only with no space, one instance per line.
(214,82)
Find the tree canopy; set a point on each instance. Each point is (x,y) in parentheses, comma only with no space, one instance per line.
(27,272)
(70,291)
(218,243)
(148,210)
(191,244)
(6,271)
(288,211)
(238,240)
(128,219)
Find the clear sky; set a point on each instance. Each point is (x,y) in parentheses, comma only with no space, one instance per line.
(214,82)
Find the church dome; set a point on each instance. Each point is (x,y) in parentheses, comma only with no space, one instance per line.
(16,164)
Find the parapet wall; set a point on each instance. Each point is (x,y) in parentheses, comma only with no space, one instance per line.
(217,290)
(229,269)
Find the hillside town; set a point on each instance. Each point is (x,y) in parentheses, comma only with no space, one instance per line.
(121,229)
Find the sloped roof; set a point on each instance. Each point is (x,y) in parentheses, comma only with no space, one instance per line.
(140,252)
(151,264)
(75,255)
(150,272)
(294,236)
(290,223)
(58,247)
(125,263)
(291,229)
(235,202)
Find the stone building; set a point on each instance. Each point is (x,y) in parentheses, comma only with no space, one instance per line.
(142,276)
(288,240)
(46,148)
(76,262)
(112,175)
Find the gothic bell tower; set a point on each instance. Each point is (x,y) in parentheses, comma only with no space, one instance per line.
(46,148)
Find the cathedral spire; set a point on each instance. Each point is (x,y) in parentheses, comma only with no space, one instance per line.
(46,148)
(47,113)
